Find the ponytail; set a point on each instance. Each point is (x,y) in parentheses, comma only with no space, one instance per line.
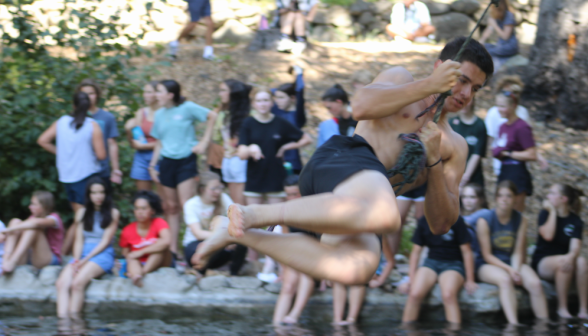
(81,103)
(173,87)
(573,195)
(336,93)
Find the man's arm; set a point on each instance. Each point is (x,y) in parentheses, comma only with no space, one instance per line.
(395,89)
(442,197)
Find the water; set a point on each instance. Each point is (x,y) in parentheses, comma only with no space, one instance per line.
(230,325)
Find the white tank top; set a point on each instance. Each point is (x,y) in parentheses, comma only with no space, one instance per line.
(76,159)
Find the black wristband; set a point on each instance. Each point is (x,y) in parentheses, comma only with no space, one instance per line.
(434,164)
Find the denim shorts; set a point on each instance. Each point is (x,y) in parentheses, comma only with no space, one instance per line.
(104,259)
(76,191)
(198,9)
(234,170)
(140,168)
(440,266)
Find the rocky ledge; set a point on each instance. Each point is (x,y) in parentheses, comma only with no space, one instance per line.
(167,291)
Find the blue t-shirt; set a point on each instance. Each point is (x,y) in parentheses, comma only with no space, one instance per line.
(107,123)
(174,127)
(326,130)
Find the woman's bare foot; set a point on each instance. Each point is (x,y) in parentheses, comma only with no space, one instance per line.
(137,280)
(341,323)
(8,266)
(289,320)
(583,315)
(236,220)
(564,313)
(219,239)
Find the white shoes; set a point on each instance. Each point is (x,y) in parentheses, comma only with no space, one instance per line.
(285,45)
(267,277)
(173,47)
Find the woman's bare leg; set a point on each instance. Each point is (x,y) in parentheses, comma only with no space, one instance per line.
(37,241)
(236,192)
(508,297)
(287,292)
(303,293)
(550,269)
(351,260)
(144,185)
(135,271)
(78,287)
(11,239)
(68,241)
(424,280)
(154,261)
(356,297)
(582,283)
(63,285)
(186,190)
(451,283)
(339,301)
(365,202)
(533,285)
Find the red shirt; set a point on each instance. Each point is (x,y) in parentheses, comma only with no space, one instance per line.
(131,239)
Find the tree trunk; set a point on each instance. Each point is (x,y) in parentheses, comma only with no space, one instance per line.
(557,78)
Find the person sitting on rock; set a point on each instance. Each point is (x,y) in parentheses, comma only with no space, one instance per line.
(199,210)
(41,234)
(410,20)
(503,22)
(450,262)
(502,235)
(96,225)
(146,242)
(559,241)
(294,14)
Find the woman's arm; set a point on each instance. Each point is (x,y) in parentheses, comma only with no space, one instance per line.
(529,154)
(199,232)
(485,247)
(45,140)
(520,250)
(79,240)
(162,243)
(252,151)
(32,223)
(125,251)
(471,166)
(304,141)
(487,32)
(504,33)
(98,141)
(547,230)
(152,172)
(468,262)
(202,146)
(106,237)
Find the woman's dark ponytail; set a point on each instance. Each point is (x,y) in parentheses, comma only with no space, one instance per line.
(81,103)
(173,87)
(573,195)
(336,93)
(239,104)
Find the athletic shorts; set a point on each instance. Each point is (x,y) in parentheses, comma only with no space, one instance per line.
(415,195)
(173,172)
(104,259)
(518,173)
(278,194)
(308,233)
(335,161)
(76,191)
(234,170)
(140,168)
(440,266)
(198,9)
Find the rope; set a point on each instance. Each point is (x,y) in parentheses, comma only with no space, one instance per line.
(413,157)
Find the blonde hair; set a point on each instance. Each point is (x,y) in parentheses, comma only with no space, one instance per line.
(259,89)
(513,85)
(205,178)
(46,200)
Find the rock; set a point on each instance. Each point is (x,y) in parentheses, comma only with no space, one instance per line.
(366,18)
(221,16)
(251,21)
(270,40)
(49,275)
(515,61)
(213,282)
(335,15)
(467,7)
(401,259)
(99,290)
(360,7)
(437,8)
(174,283)
(199,30)
(383,6)
(378,26)
(233,31)
(274,287)
(526,33)
(248,11)
(395,276)
(452,25)
(327,34)
(244,282)
(23,277)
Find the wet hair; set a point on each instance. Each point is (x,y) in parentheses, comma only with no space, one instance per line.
(288,88)
(151,197)
(291,181)
(81,102)
(205,178)
(508,185)
(336,92)
(479,191)
(173,87)
(474,53)
(105,208)
(92,83)
(239,104)
(573,195)
(46,200)
(511,87)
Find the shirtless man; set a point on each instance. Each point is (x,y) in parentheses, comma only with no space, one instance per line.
(348,196)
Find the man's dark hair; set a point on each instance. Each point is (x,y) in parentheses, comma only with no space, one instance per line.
(474,53)
(92,83)
(291,181)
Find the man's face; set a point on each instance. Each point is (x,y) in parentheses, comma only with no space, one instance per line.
(471,80)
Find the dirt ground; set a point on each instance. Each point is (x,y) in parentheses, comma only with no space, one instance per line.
(327,64)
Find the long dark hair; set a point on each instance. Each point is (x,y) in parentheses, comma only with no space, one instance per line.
(152,198)
(239,104)
(174,87)
(105,208)
(81,102)
(573,195)
(288,88)
(336,93)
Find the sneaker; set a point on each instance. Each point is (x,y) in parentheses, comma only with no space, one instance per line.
(421,39)
(285,45)
(211,57)
(173,47)
(267,277)
(298,48)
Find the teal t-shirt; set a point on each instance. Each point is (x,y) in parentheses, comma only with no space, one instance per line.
(174,127)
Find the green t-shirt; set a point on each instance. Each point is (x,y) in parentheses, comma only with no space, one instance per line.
(174,127)
(475,135)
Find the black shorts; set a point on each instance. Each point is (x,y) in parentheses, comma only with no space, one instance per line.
(519,175)
(417,194)
(308,233)
(335,161)
(173,172)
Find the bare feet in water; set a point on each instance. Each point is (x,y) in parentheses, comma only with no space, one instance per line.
(564,313)
(583,315)
(219,239)
(137,280)
(289,320)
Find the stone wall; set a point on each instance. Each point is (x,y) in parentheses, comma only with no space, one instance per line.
(166,287)
(236,21)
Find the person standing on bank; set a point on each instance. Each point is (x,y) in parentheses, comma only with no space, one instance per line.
(177,144)
(559,243)
(199,10)
(93,251)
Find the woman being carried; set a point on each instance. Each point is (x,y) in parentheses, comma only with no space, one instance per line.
(93,251)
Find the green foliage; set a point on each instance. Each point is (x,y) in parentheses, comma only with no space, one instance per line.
(40,71)
(406,240)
